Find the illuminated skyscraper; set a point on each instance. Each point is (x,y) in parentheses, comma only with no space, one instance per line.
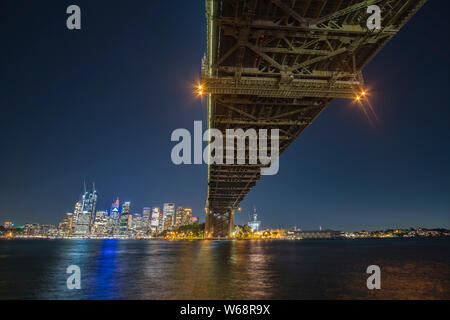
(155,219)
(114,216)
(126,207)
(187,219)
(146,218)
(77,211)
(168,222)
(124,218)
(86,217)
(65,226)
(100,226)
(146,213)
(183,217)
(168,214)
(179,216)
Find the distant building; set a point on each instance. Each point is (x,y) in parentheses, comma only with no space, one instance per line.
(161,222)
(126,207)
(168,214)
(32,229)
(146,213)
(100,223)
(76,213)
(83,224)
(114,217)
(254,224)
(179,216)
(316,234)
(85,218)
(89,201)
(123,229)
(183,217)
(155,219)
(187,219)
(65,226)
(194,220)
(49,230)
(146,217)
(168,222)
(8,224)
(139,224)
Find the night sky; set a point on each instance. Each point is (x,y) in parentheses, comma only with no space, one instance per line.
(101,103)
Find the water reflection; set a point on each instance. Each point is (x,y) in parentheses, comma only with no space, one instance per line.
(102,285)
(133,269)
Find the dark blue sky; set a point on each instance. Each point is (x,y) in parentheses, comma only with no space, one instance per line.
(101,104)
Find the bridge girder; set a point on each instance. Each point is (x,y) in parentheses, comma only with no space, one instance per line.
(276,64)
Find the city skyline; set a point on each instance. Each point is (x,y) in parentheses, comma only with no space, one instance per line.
(343,172)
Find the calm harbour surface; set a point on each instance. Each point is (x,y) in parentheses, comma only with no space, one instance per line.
(160,269)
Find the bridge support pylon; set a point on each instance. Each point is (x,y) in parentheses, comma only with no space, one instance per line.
(219,225)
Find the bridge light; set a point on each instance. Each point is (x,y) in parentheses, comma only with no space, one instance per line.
(200,89)
(358,98)
(364,93)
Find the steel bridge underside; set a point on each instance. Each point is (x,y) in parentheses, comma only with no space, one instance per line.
(276,64)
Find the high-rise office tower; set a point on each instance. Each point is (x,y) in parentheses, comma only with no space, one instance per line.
(130,222)
(187,219)
(146,213)
(146,217)
(155,219)
(76,213)
(167,222)
(161,222)
(179,217)
(100,226)
(65,227)
(77,210)
(126,207)
(123,226)
(114,217)
(86,217)
(169,211)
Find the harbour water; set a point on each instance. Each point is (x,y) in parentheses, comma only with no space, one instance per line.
(160,269)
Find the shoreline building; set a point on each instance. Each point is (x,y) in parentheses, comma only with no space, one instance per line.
(114,216)
(100,223)
(154,224)
(179,216)
(123,225)
(254,224)
(183,217)
(65,226)
(187,219)
(85,219)
(76,213)
(168,215)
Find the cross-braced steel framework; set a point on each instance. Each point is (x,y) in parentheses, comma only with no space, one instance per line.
(276,64)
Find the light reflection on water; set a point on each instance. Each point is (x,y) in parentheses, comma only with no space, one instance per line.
(129,269)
